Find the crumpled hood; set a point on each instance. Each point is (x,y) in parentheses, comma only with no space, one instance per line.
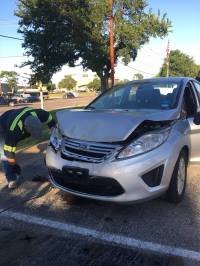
(107,126)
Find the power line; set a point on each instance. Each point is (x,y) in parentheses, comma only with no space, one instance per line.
(140,62)
(150,50)
(137,69)
(8,21)
(7,25)
(155,52)
(10,37)
(12,56)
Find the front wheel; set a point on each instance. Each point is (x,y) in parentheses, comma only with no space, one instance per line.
(11,104)
(177,185)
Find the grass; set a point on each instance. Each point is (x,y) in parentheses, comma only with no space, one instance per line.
(28,142)
(86,94)
(80,94)
(56,95)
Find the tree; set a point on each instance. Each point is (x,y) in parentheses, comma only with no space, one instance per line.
(121,82)
(67,82)
(180,65)
(51,86)
(138,76)
(94,85)
(10,78)
(61,32)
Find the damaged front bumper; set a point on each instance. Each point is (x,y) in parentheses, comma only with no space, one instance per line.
(139,178)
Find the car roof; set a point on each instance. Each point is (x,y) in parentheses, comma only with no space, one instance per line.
(164,79)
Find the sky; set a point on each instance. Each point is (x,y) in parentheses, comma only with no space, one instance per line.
(185,36)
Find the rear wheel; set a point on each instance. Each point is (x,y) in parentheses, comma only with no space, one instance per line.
(177,185)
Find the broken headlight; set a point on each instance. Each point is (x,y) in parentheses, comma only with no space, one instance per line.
(144,144)
(55,139)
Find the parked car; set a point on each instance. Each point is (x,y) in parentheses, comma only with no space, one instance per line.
(32,98)
(19,98)
(70,95)
(7,101)
(133,143)
(98,93)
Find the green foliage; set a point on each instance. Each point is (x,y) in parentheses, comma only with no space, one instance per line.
(138,76)
(63,31)
(94,85)
(10,78)
(121,82)
(181,65)
(67,82)
(51,86)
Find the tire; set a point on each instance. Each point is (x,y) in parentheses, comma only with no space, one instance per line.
(11,104)
(176,190)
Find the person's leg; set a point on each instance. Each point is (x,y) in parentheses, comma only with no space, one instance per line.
(10,176)
(6,167)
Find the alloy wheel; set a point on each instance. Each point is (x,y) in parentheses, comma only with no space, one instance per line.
(181,176)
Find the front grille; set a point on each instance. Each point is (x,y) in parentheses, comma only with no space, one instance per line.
(98,186)
(93,152)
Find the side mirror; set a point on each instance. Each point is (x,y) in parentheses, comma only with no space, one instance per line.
(197,118)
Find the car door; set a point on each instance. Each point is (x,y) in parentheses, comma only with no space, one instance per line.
(192,105)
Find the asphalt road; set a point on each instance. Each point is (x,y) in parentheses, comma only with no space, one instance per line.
(52,104)
(29,247)
(156,226)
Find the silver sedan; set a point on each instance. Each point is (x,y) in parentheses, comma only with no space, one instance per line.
(132,143)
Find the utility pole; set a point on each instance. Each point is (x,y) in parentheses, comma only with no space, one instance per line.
(167,58)
(41,97)
(39,86)
(112,60)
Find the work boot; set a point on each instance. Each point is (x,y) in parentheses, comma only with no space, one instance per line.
(12,184)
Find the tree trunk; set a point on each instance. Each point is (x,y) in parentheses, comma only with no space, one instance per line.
(104,83)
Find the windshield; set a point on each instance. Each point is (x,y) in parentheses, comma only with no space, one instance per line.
(147,95)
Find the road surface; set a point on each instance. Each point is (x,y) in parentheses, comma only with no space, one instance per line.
(80,229)
(52,104)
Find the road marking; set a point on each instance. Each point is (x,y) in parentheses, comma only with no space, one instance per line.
(107,237)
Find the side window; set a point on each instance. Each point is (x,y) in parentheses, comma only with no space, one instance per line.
(117,98)
(197,87)
(132,93)
(189,101)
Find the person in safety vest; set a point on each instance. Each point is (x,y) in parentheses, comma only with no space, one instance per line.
(16,125)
